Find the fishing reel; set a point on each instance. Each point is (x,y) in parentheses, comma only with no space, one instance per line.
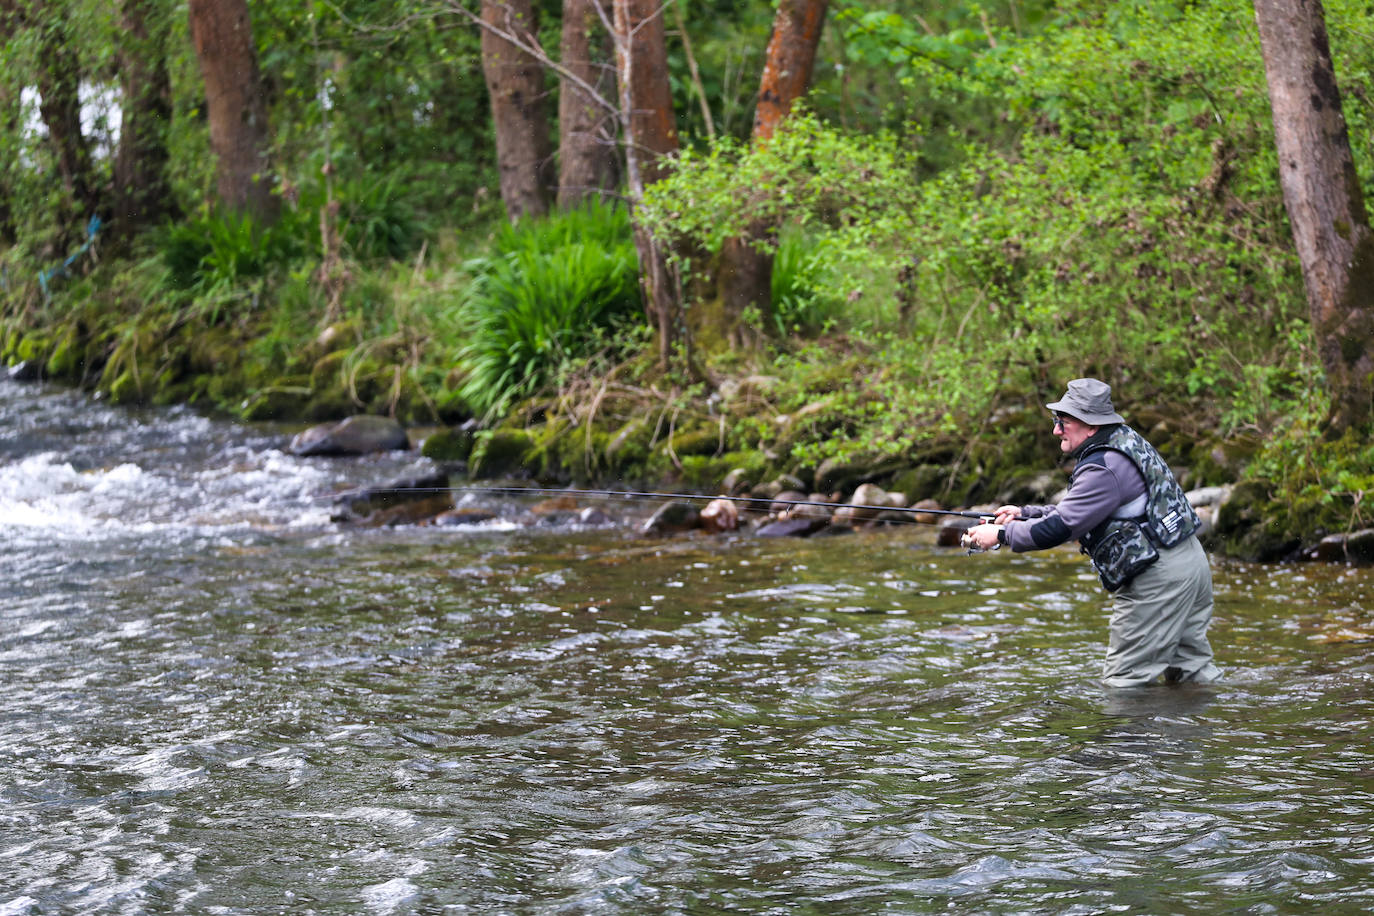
(966,542)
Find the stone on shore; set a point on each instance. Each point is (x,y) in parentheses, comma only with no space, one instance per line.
(720,515)
(867,502)
(360,435)
(1356,548)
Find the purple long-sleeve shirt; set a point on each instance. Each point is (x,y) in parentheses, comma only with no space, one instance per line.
(1104,484)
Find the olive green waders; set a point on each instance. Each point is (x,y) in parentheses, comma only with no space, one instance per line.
(1159,622)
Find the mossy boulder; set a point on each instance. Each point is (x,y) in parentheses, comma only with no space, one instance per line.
(33,347)
(279,402)
(500,453)
(844,474)
(629,446)
(925,481)
(448,445)
(695,442)
(1252,526)
(68,358)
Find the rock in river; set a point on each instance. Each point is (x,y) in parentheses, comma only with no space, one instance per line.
(355,436)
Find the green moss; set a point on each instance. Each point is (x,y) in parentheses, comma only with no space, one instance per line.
(448,445)
(284,401)
(33,347)
(703,442)
(68,357)
(500,453)
(125,388)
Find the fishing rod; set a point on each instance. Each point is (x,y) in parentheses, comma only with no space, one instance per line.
(750,501)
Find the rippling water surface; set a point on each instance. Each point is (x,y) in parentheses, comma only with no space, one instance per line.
(214,701)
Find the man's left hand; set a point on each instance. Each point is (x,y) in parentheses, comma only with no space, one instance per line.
(984,537)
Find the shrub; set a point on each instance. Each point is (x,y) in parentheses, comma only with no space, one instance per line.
(545,296)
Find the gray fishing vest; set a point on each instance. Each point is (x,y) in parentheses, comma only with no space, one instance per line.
(1123,546)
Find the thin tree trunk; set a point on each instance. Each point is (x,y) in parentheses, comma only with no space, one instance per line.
(646,104)
(235,103)
(9,129)
(745,277)
(1322,194)
(59,81)
(141,193)
(587,146)
(515,84)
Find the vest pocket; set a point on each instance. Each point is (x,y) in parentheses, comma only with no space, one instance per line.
(1122,551)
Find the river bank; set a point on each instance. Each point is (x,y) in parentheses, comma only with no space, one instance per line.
(747,434)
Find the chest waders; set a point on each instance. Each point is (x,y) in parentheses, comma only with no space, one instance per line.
(1121,547)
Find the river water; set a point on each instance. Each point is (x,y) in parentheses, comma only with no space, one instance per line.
(216,701)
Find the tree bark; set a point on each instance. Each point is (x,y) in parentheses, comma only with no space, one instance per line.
(235,103)
(745,276)
(587,145)
(789,62)
(646,94)
(646,105)
(141,193)
(1325,204)
(515,84)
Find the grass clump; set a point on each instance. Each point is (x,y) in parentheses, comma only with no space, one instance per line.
(550,292)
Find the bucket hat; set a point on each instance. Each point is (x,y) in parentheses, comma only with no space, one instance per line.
(1088,400)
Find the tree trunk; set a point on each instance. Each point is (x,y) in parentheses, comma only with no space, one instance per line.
(745,276)
(1321,192)
(235,104)
(646,106)
(9,129)
(789,62)
(59,81)
(515,84)
(586,148)
(141,193)
(646,94)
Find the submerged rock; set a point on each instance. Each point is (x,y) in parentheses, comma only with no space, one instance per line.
(454,517)
(797,527)
(672,517)
(358,435)
(404,501)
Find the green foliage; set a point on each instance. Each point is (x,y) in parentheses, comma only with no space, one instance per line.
(222,248)
(538,300)
(799,300)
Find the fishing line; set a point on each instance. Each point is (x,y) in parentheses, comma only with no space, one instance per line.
(754,503)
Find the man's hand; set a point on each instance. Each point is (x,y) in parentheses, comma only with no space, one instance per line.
(1005,514)
(985,536)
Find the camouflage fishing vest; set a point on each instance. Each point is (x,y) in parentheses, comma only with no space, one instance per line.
(1121,547)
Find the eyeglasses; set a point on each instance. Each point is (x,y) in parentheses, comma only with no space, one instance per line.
(1059,419)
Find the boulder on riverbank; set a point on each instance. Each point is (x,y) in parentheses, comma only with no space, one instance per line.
(360,435)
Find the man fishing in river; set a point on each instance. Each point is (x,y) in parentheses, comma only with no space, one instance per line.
(1130,515)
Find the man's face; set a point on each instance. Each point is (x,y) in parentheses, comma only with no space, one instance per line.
(1072,432)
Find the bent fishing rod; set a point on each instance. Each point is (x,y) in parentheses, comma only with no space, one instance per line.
(748,501)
